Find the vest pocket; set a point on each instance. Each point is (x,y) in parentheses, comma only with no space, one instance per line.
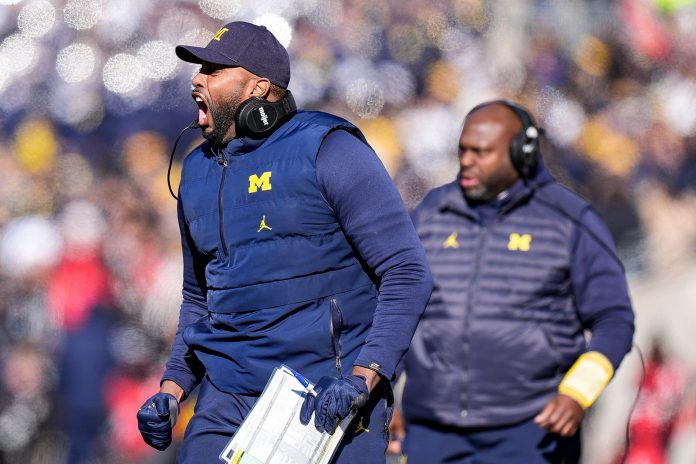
(555,360)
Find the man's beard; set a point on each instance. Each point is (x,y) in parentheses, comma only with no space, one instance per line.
(223,118)
(481,194)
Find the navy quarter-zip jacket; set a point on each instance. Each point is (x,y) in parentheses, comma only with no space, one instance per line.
(517,282)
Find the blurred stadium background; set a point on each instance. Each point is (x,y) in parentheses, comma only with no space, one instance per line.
(92,96)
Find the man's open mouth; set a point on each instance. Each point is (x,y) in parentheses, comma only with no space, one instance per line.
(202,110)
(468,182)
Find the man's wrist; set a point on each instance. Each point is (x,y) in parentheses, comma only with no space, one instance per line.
(169,386)
(371,377)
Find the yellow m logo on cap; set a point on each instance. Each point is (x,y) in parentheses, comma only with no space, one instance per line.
(263,182)
(520,242)
(220,33)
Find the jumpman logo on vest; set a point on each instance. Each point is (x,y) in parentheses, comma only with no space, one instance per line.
(451,241)
(263,224)
(361,427)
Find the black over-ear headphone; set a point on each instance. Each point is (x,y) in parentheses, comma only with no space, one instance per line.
(524,147)
(258,117)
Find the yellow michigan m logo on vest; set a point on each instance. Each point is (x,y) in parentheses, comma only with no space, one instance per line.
(263,182)
(519,242)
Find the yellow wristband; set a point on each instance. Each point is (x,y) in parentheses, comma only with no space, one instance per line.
(587,378)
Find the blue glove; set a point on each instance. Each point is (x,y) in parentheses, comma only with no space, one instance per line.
(156,419)
(335,399)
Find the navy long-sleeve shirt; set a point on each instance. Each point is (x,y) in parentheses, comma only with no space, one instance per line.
(600,290)
(368,207)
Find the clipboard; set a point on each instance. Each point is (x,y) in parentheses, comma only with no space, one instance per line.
(272,432)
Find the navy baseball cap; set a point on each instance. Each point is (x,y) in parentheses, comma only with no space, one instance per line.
(247,45)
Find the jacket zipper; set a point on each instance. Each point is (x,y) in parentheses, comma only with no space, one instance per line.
(474,279)
(470,308)
(221,212)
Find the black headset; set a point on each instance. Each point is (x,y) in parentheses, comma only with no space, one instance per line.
(257,117)
(524,147)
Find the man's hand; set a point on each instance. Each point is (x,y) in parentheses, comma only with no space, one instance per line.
(397,432)
(156,418)
(335,399)
(561,415)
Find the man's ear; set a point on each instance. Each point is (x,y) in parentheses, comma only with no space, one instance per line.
(262,87)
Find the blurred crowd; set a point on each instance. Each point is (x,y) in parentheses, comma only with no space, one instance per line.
(92,96)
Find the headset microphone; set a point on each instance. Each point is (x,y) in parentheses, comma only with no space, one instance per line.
(193,125)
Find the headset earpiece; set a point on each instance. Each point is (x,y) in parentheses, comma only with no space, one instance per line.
(259,117)
(517,155)
(524,146)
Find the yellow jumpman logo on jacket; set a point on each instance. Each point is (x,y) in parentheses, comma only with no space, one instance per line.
(451,241)
(361,427)
(263,224)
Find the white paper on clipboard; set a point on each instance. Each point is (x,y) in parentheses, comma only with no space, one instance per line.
(273,434)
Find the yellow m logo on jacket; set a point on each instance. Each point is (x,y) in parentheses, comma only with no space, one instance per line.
(263,182)
(520,242)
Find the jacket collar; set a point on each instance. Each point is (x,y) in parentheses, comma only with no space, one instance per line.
(242,145)
(235,147)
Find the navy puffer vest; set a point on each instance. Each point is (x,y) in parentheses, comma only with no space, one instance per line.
(279,257)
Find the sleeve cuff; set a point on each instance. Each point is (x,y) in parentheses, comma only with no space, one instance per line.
(587,378)
(186,381)
(377,367)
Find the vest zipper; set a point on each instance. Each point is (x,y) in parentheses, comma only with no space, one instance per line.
(336,319)
(469,310)
(221,212)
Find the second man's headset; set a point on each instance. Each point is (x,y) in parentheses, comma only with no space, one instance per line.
(257,117)
(524,146)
